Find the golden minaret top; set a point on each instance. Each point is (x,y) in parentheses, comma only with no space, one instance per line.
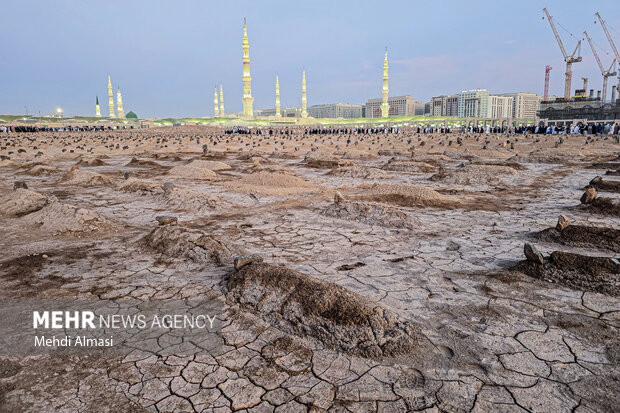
(110,98)
(304,101)
(119,104)
(221,101)
(385,107)
(215,103)
(247,79)
(278,114)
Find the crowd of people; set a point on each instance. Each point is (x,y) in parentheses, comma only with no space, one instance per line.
(582,129)
(540,129)
(28,128)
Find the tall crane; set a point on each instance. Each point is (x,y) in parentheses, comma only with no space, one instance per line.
(568,59)
(611,41)
(606,73)
(546,91)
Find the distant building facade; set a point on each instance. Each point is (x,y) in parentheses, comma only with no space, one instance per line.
(399,106)
(286,113)
(478,103)
(499,107)
(419,108)
(473,103)
(590,108)
(336,110)
(524,105)
(427,109)
(444,106)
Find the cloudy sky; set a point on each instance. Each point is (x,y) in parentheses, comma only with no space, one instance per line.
(167,56)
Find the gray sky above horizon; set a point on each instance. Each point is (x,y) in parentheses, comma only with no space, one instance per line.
(167,56)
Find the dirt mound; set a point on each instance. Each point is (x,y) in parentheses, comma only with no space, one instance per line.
(250,156)
(603,165)
(356,154)
(408,196)
(176,241)
(508,164)
(581,272)
(473,154)
(271,184)
(363,172)
(548,155)
(21,202)
(86,178)
(433,159)
(135,162)
(212,165)
(209,155)
(85,161)
(393,152)
(270,167)
(583,237)
(371,214)
(41,170)
(407,165)
(140,186)
(7,163)
(603,205)
(302,305)
(190,171)
(475,175)
(191,200)
(322,160)
(59,218)
(607,186)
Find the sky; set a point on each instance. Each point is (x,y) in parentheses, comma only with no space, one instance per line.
(167,56)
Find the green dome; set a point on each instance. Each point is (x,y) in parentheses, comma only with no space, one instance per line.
(131,115)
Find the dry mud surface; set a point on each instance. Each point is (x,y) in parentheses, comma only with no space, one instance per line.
(410,292)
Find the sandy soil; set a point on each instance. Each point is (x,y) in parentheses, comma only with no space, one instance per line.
(409,292)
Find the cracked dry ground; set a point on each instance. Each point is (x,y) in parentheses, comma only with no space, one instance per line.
(492,339)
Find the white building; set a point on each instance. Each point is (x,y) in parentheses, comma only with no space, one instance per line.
(286,112)
(399,106)
(499,107)
(473,103)
(335,110)
(524,105)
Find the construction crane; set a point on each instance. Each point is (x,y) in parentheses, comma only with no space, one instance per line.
(611,42)
(606,73)
(546,92)
(568,59)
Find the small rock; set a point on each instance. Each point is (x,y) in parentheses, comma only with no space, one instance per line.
(563,222)
(126,175)
(338,198)
(588,196)
(74,168)
(166,219)
(241,262)
(532,254)
(596,180)
(168,186)
(20,184)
